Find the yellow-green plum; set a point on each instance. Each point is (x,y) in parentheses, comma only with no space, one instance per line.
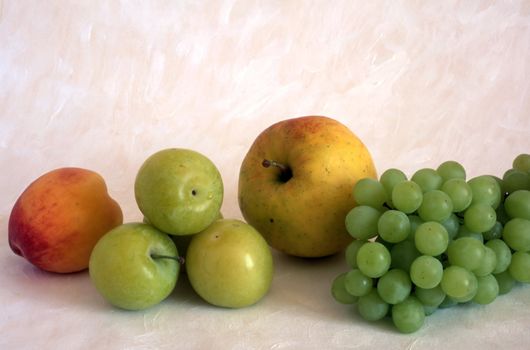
(230,264)
(180,191)
(134,266)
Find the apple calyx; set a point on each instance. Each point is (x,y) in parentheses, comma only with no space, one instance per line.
(179,259)
(285,172)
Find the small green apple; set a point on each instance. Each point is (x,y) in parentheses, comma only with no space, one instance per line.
(229,264)
(134,266)
(179,191)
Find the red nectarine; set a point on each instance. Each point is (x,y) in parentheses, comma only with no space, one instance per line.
(59,218)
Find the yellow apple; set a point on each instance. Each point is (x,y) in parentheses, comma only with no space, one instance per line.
(296,184)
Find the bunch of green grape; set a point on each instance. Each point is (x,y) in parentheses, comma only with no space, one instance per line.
(434,241)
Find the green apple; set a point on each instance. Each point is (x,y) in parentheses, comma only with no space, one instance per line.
(179,191)
(229,264)
(134,266)
(296,184)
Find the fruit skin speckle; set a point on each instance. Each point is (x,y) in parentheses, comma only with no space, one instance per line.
(59,217)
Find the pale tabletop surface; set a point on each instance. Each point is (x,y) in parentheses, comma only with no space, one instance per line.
(104,84)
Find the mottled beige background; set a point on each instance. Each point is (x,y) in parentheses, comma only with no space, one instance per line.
(104,84)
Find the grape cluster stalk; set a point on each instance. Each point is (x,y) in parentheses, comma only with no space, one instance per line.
(434,241)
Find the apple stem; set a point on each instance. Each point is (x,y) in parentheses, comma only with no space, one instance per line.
(179,259)
(267,163)
(285,172)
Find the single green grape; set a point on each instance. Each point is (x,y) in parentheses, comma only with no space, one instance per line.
(436,206)
(351,252)
(503,254)
(393,226)
(426,271)
(403,254)
(371,307)
(429,310)
(459,283)
(368,191)
(494,232)
(500,182)
(487,264)
(520,267)
(431,238)
(487,289)
(465,252)
(502,215)
(505,281)
(428,179)
(389,179)
(339,292)
(480,217)
(409,315)
(451,169)
(451,224)
(516,234)
(514,179)
(485,190)
(387,244)
(522,162)
(460,193)
(463,231)
(517,204)
(373,259)
(361,222)
(394,286)
(357,284)
(407,196)
(447,303)
(415,221)
(431,296)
